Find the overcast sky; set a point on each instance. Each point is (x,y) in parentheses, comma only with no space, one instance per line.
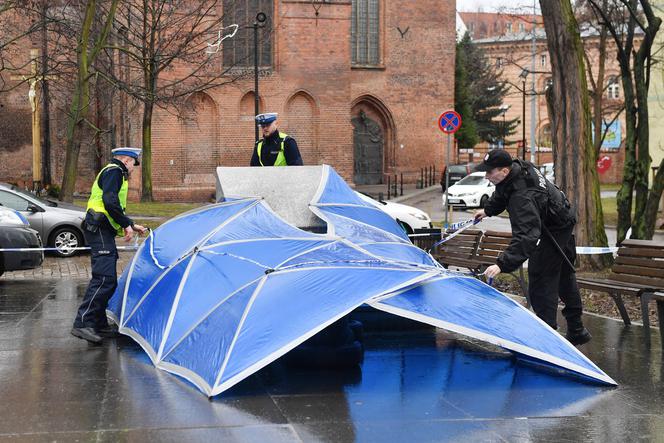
(526,6)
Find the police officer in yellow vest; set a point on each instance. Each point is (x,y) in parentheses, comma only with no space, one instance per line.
(276,148)
(105,219)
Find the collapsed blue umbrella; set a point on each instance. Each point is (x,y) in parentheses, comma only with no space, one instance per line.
(216,294)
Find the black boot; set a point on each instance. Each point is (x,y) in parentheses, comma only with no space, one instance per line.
(578,336)
(88,334)
(108,331)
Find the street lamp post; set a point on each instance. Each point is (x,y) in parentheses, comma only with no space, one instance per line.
(504,109)
(523,75)
(258,23)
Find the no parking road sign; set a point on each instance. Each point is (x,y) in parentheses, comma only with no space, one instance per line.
(449,122)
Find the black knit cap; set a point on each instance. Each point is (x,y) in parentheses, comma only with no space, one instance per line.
(498,158)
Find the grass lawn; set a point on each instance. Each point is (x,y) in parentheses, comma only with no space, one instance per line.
(610,211)
(152,209)
(610,187)
(159,210)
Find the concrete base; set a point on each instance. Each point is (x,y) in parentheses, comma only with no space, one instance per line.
(287,190)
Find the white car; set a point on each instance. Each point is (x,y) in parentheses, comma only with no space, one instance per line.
(472,191)
(547,171)
(408,217)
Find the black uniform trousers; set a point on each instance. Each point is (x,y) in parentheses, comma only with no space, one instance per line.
(551,278)
(104,257)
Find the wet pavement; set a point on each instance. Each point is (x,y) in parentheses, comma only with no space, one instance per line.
(414,385)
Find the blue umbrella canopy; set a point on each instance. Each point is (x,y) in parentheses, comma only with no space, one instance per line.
(217,293)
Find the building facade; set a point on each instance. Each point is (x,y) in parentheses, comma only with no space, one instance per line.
(358,83)
(522,57)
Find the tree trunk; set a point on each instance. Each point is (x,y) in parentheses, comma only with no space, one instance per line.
(46,119)
(598,99)
(79,107)
(635,81)
(574,153)
(645,209)
(653,201)
(146,172)
(624,196)
(642,149)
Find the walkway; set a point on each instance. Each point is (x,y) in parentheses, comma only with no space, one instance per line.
(419,385)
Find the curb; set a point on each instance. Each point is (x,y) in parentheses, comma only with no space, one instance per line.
(416,193)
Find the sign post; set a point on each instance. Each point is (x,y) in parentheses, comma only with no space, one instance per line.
(449,122)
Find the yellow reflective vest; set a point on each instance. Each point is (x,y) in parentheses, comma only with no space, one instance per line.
(281,158)
(96,203)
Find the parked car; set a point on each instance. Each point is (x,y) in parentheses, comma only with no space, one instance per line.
(58,224)
(457,172)
(471,191)
(16,233)
(408,217)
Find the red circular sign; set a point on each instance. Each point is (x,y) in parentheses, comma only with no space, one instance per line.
(449,122)
(603,164)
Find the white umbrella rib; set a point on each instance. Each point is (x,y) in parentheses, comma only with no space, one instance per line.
(171,315)
(207,314)
(239,328)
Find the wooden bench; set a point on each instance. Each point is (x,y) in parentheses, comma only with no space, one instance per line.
(460,250)
(659,298)
(638,271)
(425,238)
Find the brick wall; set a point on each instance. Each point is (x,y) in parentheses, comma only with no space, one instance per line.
(316,92)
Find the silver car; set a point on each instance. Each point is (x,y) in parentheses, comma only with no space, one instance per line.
(58,224)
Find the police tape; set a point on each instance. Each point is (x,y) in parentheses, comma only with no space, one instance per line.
(66,250)
(587,250)
(457,229)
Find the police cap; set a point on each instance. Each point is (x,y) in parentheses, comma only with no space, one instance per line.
(129,152)
(266,119)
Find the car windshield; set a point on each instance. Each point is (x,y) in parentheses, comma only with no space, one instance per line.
(472,180)
(33,196)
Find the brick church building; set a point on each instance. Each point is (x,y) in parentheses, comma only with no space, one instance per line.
(358,83)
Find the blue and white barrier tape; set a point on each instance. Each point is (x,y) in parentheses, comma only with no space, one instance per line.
(63,249)
(458,228)
(584,250)
(461,224)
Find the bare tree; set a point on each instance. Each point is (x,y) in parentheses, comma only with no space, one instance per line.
(164,49)
(604,113)
(573,150)
(12,34)
(635,64)
(87,51)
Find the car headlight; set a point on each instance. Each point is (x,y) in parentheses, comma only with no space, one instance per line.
(13,217)
(419,215)
(465,194)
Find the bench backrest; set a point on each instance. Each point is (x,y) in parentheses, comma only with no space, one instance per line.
(425,238)
(463,246)
(491,245)
(640,262)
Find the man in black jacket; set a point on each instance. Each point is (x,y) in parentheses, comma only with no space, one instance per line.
(542,221)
